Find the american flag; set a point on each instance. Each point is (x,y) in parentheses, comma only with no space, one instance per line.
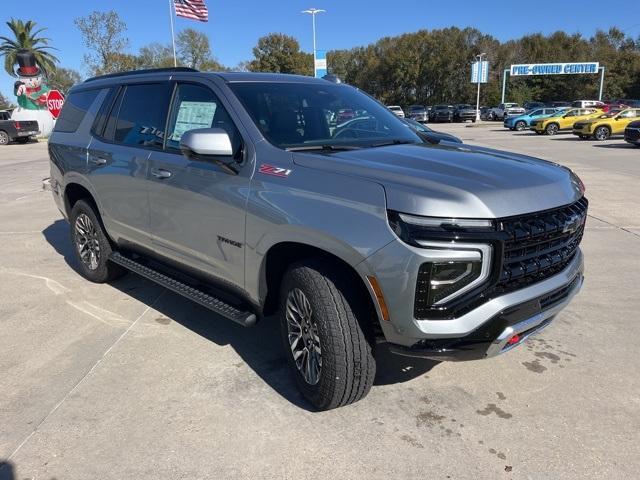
(193,9)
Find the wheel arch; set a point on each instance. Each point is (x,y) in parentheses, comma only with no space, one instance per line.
(75,191)
(282,255)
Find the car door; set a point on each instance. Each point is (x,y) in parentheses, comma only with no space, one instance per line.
(129,129)
(197,207)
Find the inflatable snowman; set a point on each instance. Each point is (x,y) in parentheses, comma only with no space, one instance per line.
(31,90)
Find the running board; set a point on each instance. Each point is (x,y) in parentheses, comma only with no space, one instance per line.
(214,304)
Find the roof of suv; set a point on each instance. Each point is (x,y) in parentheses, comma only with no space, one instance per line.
(226,76)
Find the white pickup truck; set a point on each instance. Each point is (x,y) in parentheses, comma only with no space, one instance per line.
(505,110)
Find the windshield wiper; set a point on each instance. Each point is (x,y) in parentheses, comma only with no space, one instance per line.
(395,141)
(323,148)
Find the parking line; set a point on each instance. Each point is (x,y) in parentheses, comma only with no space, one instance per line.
(95,365)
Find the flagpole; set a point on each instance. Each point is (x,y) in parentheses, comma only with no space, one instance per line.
(173,37)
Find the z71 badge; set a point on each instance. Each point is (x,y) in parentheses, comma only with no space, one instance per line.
(275,171)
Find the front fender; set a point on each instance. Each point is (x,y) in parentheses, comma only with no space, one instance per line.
(342,215)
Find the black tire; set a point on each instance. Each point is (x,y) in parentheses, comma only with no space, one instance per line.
(520,125)
(23,140)
(336,313)
(4,138)
(602,133)
(95,267)
(551,129)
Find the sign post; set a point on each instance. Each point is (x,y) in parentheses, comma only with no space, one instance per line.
(55,100)
(479,74)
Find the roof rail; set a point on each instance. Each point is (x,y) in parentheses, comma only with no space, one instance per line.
(138,72)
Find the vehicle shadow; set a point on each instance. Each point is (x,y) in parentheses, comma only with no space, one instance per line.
(622,146)
(260,347)
(6,470)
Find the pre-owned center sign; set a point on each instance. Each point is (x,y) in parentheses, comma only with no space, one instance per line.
(554,68)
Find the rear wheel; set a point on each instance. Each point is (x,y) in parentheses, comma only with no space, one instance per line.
(551,129)
(91,245)
(520,125)
(23,140)
(4,137)
(321,317)
(602,133)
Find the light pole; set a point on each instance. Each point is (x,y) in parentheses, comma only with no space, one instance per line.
(313,12)
(479,57)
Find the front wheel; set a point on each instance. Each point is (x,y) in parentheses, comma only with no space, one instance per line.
(521,125)
(602,133)
(321,317)
(551,129)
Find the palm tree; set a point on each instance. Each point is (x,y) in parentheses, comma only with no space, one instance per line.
(26,39)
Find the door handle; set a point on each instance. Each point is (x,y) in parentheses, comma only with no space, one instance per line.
(98,160)
(161,173)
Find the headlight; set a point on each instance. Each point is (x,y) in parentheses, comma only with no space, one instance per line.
(455,260)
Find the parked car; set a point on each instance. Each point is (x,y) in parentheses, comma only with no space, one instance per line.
(562,120)
(441,113)
(559,104)
(484,113)
(632,133)
(418,113)
(397,110)
(20,131)
(230,190)
(430,135)
(504,110)
(533,105)
(522,122)
(629,102)
(463,112)
(604,126)
(344,114)
(588,103)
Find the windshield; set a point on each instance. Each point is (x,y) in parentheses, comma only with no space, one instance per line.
(416,108)
(292,115)
(465,107)
(442,107)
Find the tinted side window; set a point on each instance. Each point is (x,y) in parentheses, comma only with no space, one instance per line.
(74,109)
(102,115)
(142,115)
(196,106)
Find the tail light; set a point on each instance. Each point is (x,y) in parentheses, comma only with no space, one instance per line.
(17,124)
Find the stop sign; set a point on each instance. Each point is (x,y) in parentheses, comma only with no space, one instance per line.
(55,100)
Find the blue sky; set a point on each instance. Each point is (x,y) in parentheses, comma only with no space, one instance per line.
(235,25)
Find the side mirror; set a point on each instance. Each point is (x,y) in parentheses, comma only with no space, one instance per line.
(205,142)
(208,144)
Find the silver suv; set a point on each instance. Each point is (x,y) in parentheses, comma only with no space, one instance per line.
(241,192)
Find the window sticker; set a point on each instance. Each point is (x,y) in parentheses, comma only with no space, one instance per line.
(192,115)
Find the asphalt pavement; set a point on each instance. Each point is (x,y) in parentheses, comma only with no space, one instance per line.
(127,380)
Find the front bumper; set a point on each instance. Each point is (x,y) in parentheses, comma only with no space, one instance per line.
(469,335)
(632,135)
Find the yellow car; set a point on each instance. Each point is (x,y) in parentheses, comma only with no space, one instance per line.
(562,120)
(602,127)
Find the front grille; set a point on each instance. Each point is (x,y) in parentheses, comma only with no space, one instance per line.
(540,245)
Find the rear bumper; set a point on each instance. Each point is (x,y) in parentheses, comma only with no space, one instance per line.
(26,133)
(503,332)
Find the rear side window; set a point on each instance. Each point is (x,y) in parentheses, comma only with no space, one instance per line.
(142,115)
(74,109)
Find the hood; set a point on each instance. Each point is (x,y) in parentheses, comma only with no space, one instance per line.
(454,180)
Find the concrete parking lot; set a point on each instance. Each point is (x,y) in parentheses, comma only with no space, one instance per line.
(130,381)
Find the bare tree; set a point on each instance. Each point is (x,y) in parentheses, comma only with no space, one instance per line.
(193,48)
(103,34)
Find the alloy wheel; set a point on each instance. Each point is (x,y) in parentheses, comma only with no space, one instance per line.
(520,125)
(87,241)
(302,333)
(602,133)
(4,138)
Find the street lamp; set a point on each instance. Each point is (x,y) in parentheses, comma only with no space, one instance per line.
(313,12)
(479,57)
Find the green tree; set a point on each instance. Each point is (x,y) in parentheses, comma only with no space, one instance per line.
(63,79)
(280,53)
(103,34)
(26,37)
